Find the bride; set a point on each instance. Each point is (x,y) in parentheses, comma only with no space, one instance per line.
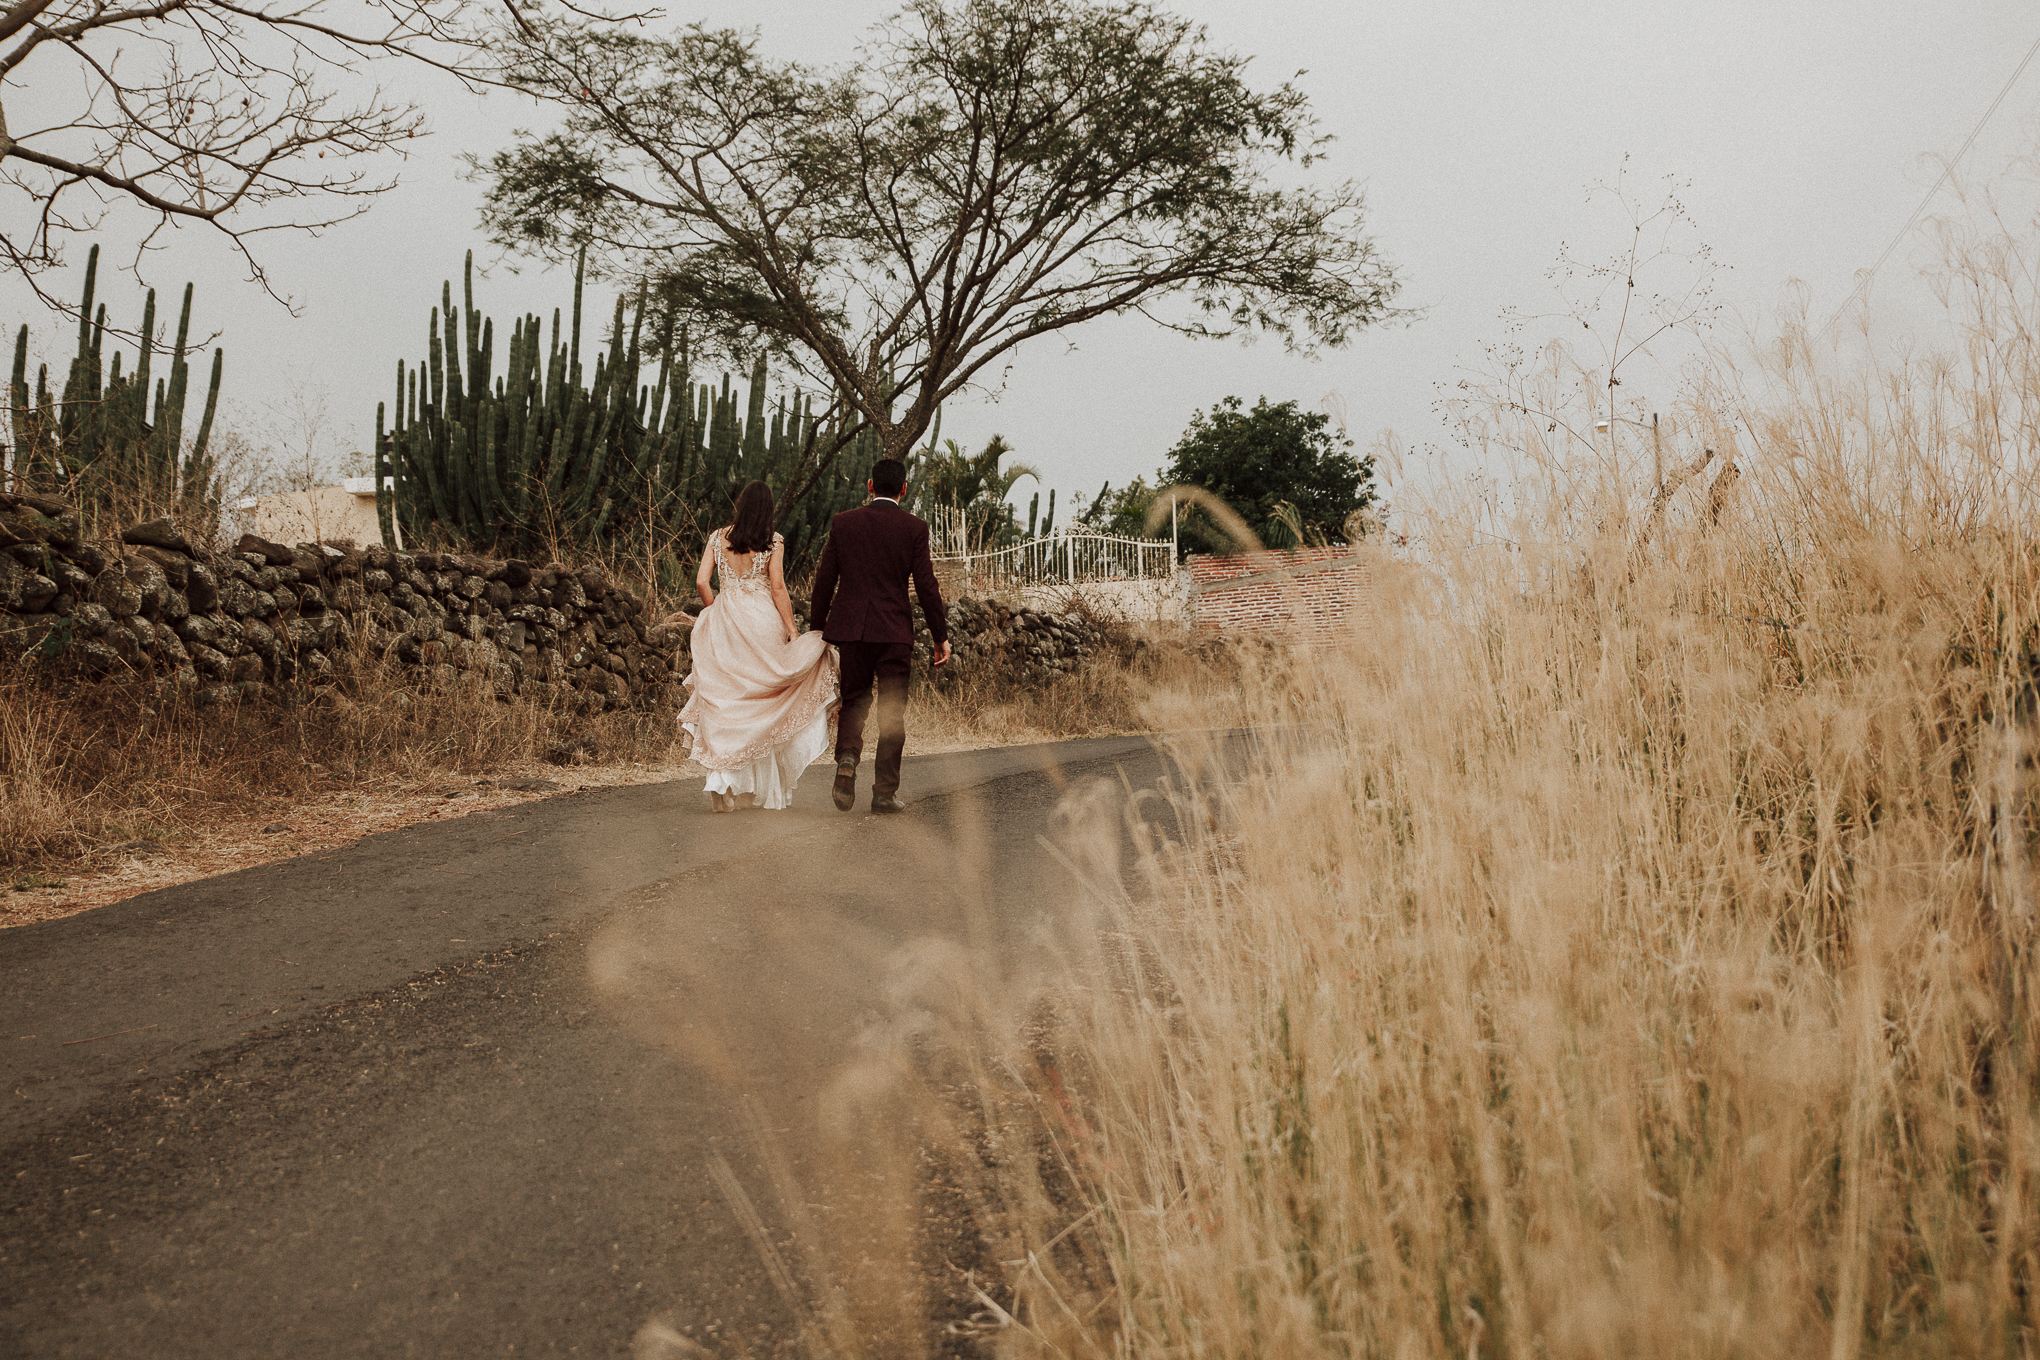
(763,695)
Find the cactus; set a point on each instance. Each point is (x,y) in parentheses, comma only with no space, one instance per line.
(544,455)
(101,444)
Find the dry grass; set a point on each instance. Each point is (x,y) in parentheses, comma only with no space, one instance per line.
(320,820)
(111,789)
(984,705)
(100,763)
(1628,951)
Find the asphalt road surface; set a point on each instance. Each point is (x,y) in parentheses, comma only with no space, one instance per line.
(581,1077)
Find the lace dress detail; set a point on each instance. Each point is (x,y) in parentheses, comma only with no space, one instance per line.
(754,580)
(760,708)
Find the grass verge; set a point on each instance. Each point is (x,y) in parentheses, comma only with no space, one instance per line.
(1629,950)
(108,790)
(111,789)
(988,705)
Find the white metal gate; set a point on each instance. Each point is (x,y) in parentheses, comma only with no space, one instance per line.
(1064,559)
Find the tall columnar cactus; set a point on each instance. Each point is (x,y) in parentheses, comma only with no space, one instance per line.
(546,456)
(100,443)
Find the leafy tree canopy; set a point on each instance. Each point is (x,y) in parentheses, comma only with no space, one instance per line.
(989,171)
(1290,478)
(1122,511)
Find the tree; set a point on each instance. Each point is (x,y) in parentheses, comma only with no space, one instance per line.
(1281,468)
(235,123)
(971,493)
(1123,512)
(992,171)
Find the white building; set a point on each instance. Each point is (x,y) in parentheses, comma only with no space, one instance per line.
(322,515)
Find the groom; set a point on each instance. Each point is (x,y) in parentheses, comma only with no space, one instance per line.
(871,552)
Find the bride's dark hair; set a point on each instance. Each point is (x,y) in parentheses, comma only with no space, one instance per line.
(751,524)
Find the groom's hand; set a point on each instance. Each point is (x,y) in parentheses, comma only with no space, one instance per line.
(941,653)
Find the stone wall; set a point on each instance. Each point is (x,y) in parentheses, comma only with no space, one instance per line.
(155,605)
(988,633)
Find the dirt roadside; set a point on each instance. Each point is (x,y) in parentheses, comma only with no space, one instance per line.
(325,821)
(285,829)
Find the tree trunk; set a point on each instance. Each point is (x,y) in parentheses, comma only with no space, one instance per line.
(897,440)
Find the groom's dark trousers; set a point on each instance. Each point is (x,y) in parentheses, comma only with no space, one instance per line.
(860,604)
(875,676)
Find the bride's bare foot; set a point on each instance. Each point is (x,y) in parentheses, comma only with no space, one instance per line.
(745,800)
(722,802)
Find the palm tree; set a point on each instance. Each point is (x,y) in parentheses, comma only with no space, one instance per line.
(970,492)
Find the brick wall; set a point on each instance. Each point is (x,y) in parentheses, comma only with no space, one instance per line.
(1308,594)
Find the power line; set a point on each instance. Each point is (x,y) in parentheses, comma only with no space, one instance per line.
(1947,171)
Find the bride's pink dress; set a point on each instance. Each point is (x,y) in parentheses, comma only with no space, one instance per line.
(760,708)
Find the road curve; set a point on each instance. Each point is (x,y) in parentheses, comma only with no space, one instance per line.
(550,1080)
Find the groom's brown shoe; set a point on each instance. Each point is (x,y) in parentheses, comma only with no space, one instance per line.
(887,802)
(845,792)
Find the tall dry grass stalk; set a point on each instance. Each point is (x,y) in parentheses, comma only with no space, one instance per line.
(85,765)
(1628,948)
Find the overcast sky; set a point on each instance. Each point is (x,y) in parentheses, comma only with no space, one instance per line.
(1806,135)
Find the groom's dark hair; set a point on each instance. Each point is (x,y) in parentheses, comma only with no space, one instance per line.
(888,477)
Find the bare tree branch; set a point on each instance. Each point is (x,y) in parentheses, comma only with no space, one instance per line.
(20,17)
(248,118)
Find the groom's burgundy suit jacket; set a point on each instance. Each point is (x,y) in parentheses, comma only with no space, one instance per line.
(860,592)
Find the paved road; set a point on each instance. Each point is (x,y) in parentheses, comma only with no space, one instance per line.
(539,1081)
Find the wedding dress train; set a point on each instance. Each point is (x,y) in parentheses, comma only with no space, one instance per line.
(760,708)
